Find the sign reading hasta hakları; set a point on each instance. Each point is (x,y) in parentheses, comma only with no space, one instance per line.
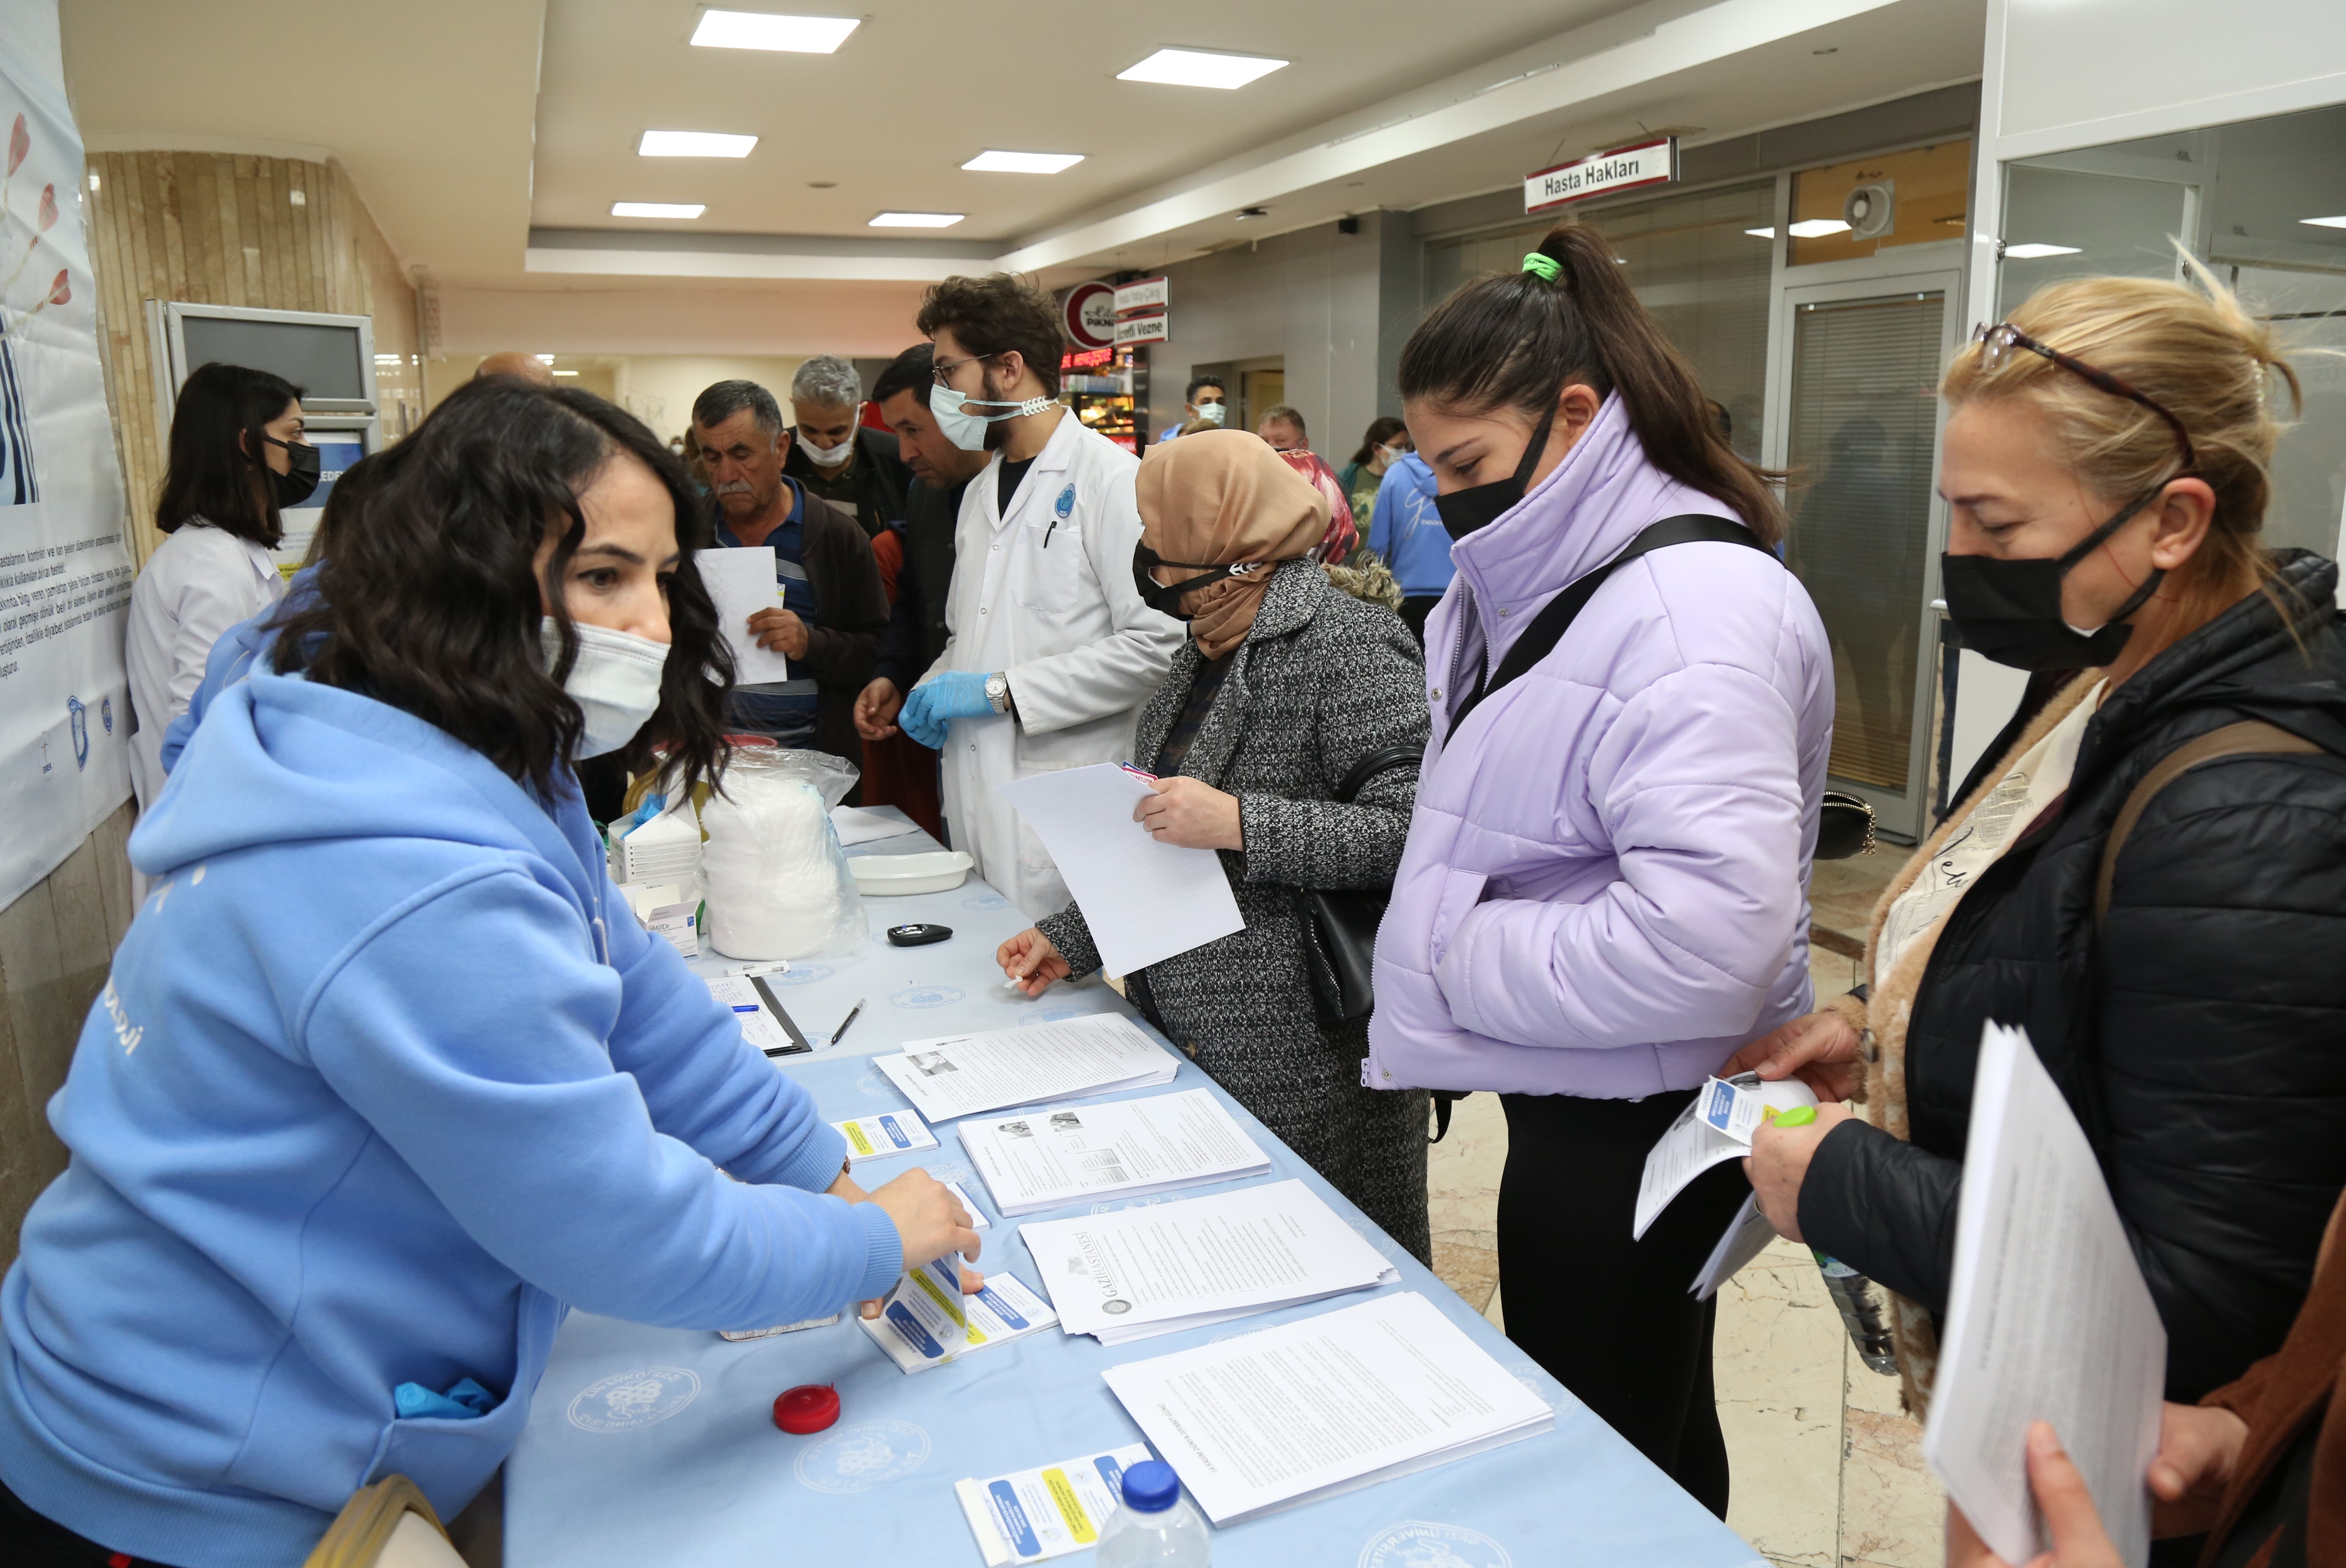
(1654,162)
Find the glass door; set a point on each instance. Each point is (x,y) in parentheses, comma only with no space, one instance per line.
(1860,438)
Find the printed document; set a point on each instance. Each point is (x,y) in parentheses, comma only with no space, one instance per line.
(762,1025)
(928,1321)
(1746,1236)
(1316,1407)
(740,582)
(1042,1159)
(889,1132)
(2049,1318)
(1695,1142)
(1143,900)
(960,1074)
(1163,1267)
(1031,1514)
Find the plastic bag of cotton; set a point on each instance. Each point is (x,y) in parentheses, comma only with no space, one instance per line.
(777,881)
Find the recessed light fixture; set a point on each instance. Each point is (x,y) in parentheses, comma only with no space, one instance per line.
(915,220)
(694,144)
(760,30)
(1817,227)
(566,372)
(1199,68)
(542,358)
(993,160)
(2031,252)
(657,208)
(2338,222)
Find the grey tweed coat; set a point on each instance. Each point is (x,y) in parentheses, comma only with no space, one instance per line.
(1322,680)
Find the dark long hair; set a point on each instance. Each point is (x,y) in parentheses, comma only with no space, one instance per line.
(216,469)
(429,599)
(1513,340)
(1381,428)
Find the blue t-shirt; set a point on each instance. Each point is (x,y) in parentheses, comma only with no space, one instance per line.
(782,709)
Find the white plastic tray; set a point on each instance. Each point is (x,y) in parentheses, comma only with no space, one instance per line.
(890,876)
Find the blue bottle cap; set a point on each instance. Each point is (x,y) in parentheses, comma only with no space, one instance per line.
(1151,1487)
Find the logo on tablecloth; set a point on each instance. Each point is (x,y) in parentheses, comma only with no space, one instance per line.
(802,975)
(928,996)
(874,1083)
(1110,1206)
(860,1457)
(1533,1376)
(629,1402)
(1417,1543)
(985,901)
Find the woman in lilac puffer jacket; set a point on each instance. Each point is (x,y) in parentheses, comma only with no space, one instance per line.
(1605,891)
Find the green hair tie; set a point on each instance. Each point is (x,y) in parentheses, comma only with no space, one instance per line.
(1546,267)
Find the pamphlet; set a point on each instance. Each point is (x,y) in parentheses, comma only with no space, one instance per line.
(977,1220)
(1694,1143)
(1746,1236)
(1029,1515)
(1035,1160)
(889,1132)
(963,1074)
(927,1322)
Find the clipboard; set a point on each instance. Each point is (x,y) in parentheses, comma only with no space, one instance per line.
(790,1025)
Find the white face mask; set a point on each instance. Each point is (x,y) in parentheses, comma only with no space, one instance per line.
(830,456)
(967,431)
(615,682)
(1393,453)
(1214,411)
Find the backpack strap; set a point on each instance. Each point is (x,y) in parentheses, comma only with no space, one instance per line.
(1548,628)
(2250,737)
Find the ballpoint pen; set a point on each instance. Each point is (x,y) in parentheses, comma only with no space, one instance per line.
(843,1022)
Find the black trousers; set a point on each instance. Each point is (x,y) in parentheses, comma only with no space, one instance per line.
(30,1540)
(1414,611)
(1610,1318)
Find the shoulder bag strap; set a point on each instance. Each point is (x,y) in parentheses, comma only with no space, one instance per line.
(2249,738)
(1374,763)
(1547,628)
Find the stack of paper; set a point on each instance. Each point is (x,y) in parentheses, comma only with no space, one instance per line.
(1043,1159)
(1325,1406)
(928,1321)
(1716,1125)
(1047,1512)
(1158,1269)
(963,1074)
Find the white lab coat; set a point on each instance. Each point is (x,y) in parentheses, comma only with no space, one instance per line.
(199,582)
(1048,598)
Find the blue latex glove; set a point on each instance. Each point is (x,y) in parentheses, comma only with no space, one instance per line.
(464,1400)
(956,694)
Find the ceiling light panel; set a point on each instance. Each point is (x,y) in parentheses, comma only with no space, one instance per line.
(760,30)
(657,208)
(915,220)
(1197,69)
(995,161)
(2031,252)
(694,144)
(2338,222)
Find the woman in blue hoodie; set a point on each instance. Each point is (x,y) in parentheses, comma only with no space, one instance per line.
(385,1077)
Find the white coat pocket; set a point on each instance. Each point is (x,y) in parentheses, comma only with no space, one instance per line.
(1052,574)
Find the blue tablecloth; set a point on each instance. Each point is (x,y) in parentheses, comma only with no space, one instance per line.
(687,1466)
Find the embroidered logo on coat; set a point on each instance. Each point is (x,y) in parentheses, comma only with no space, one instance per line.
(1065,505)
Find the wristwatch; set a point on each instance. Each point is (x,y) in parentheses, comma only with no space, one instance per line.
(997,691)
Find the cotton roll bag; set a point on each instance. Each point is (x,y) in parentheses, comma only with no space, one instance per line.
(776,879)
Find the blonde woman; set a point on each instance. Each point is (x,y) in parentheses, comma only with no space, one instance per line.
(2172,936)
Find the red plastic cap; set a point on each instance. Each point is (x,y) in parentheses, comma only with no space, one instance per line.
(808,1408)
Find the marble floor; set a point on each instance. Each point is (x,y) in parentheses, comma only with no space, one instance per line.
(1828,1472)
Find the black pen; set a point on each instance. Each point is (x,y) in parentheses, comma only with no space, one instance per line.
(852,1014)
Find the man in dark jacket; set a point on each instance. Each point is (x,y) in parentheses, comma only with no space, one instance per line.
(833,608)
(830,453)
(903,771)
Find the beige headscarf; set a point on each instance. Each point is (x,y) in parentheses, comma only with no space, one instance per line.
(1217,498)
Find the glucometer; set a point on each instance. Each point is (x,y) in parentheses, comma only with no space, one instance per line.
(918,935)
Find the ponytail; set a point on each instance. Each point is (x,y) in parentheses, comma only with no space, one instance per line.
(1513,340)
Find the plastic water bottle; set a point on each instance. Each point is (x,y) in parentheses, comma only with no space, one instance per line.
(1155,1527)
(1861,1311)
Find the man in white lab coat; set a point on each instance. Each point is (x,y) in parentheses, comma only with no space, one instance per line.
(1052,650)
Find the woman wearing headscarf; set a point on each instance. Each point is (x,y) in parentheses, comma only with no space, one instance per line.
(1249,737)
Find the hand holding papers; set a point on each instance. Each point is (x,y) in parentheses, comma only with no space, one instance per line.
(962,1074)
(1311,1409)
(1717,1125)
(1140,1272)
(2049,1318)
(1043,1159)
(928,1321)
(1143,900)
(741,583)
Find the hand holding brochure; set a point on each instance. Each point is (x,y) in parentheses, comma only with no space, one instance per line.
(1045,1159)
(1716,1125)
(1320,1407)
(1029,1515)
(963,1074)
(2047,1319)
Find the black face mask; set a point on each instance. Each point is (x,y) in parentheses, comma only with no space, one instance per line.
(1480,505)
(296,485)
(2009,611)
(1166,601)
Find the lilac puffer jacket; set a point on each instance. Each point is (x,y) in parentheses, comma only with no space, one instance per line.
(1604,892)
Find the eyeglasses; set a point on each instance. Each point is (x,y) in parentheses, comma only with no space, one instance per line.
(1997,342)
(943,368)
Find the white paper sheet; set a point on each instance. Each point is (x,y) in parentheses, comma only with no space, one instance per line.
(1144,900)
(759,1027)
(1030,1515)
(955,1075)
(1313,1409)
(1746,1236)
(857,826)
(1139,1272)
(2047,1319)
(1042,1159)
(740,581)
(928,1321)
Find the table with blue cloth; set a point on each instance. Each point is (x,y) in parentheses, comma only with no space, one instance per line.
(687,1467)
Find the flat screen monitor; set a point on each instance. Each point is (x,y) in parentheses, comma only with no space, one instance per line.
(325,362)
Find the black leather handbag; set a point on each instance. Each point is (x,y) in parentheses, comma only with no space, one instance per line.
(1339,924)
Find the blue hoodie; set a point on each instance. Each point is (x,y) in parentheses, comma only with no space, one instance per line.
(1406,531)
(385,1077)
